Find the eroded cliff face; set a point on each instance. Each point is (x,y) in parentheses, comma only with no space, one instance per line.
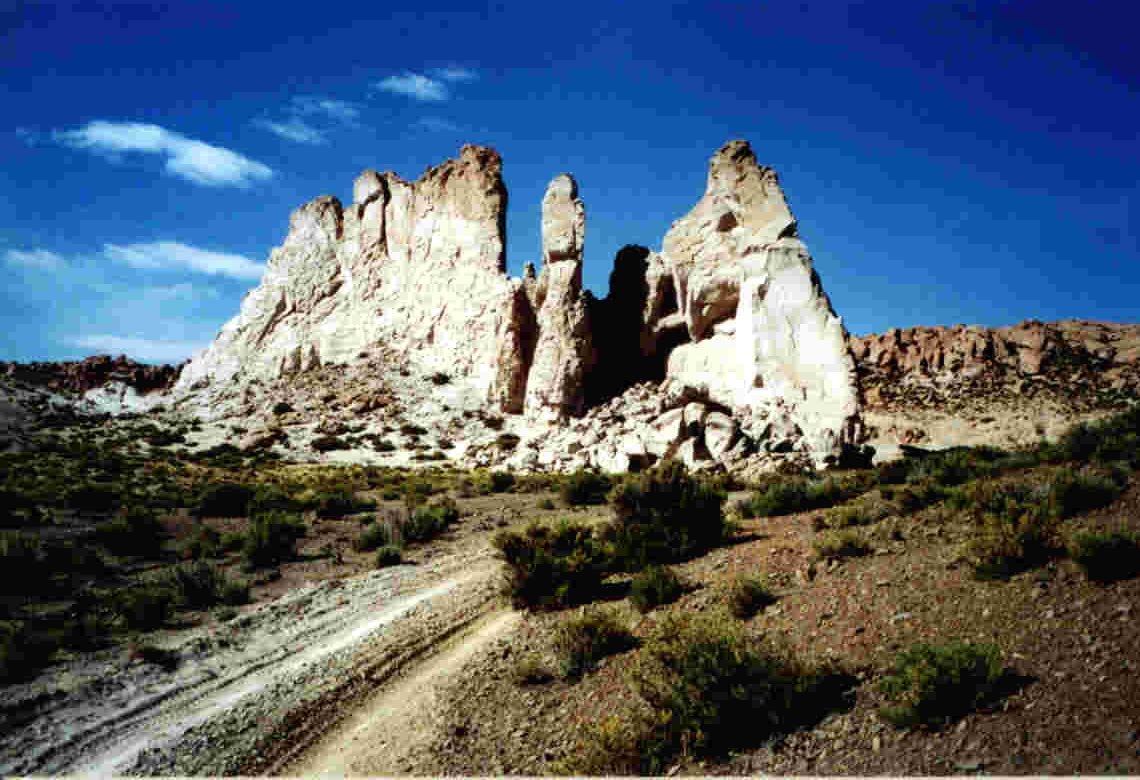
(757,332)
(418,267)
(729,314)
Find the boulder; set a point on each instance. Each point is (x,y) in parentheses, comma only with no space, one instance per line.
(720,433)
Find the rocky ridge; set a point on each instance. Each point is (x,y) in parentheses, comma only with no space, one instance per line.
(81,376)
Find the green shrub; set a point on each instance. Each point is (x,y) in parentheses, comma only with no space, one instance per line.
(1015,526)
(707,684)
(145,606)
(581,640)
(664,515)
(1107,556)
(502,481)
(272,539)
(388,555)
(1114,439)
(199,585)
(934,684)
(747,596)
(791,495)
(24,650)
(134,531)
(202,542)
(530,669)
(224,499)
(546,504)
(374,536)
(340,502)
(92,497)
(840,544)
(426,522)
(551,567)
(412,430)
(867,510)
(1075,492)
(583,487)
(268,497)
(654,586)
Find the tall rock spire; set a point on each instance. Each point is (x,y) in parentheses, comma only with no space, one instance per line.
(564,351)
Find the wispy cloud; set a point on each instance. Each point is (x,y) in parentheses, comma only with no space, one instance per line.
(147,350)
(454,74)
(40,259)
(416,86)
(172,255)
(340,110)
(437,124)
(296,130)
(187,158)
(310,119)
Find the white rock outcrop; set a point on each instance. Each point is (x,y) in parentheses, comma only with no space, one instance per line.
(765,341)
(719,348)
(418,267)
(563,353)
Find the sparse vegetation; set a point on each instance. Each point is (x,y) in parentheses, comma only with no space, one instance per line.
(840,544)
(272,539)
(747,596)
(224,499)
(934,684)
(787,496)
(388,555)
(584,487)
(664,515)
(654,586)
(427,522)
(583,639)
(133,531)
(1106,556)
(705,682)
(549,567)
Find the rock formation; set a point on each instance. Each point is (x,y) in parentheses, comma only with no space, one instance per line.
(729,315)
(1085,364)
(765,341)
(93,372)
(564,352)
(419,267)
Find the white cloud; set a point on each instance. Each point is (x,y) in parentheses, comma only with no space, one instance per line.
(340,110)
(195,161)
(173,255)
(146,350)
(455,74)
(294,129)
(416,86)
(310,119)
(40,259)
(437,124)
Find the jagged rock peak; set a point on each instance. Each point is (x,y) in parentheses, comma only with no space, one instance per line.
(563,221)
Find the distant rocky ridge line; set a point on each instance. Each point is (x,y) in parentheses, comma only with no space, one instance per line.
(90,373)
(1085,364)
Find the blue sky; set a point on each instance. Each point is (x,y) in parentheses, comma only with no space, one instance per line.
(948,162)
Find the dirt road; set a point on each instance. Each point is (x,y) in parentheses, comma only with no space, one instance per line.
(256,692)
